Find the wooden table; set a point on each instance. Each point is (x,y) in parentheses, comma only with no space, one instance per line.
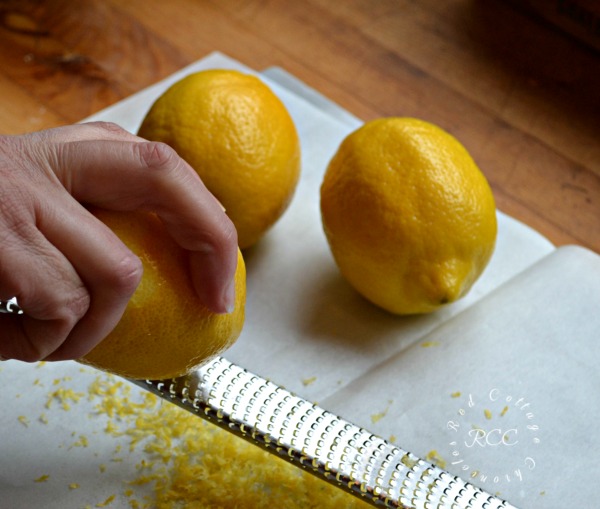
(520,94)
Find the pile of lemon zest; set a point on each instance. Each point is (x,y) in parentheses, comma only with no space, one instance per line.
(187,462)
(488,414)
(194,473)
(504,410)
(23,420)
(63,396)
(73,486)
(455,394)
(393,439)
(42,478)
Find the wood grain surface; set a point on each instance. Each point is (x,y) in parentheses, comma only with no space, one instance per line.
(523,96)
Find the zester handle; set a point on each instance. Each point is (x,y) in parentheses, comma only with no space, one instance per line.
(318,441)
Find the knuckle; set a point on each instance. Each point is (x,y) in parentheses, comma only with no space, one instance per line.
(64,309)
(158,155)
(17,198)
(220,239)
(226,232)
(43,336)
(217,238)
(50,323)
(6,143)
(11,149)
(16,219)
(127,275)
(74,307)
(111,127)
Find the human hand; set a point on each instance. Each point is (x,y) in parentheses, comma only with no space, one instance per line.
(71,275)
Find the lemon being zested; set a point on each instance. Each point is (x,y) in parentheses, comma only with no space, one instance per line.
(239,137)
(165,331)
(408,215)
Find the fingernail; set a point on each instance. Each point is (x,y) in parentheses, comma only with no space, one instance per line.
(229,296)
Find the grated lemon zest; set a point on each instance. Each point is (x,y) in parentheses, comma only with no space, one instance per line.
(82,442)
(107,502)
(375,418)
(434,457)
(64,397)
(188,462)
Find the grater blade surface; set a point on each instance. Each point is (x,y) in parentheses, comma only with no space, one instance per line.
(318,441)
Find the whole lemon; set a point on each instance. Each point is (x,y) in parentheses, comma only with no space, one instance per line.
(239,137)
(165,330)
(409,217)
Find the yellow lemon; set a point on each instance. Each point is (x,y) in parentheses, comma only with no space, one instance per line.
(239,137)
(409,217)
(165,330)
